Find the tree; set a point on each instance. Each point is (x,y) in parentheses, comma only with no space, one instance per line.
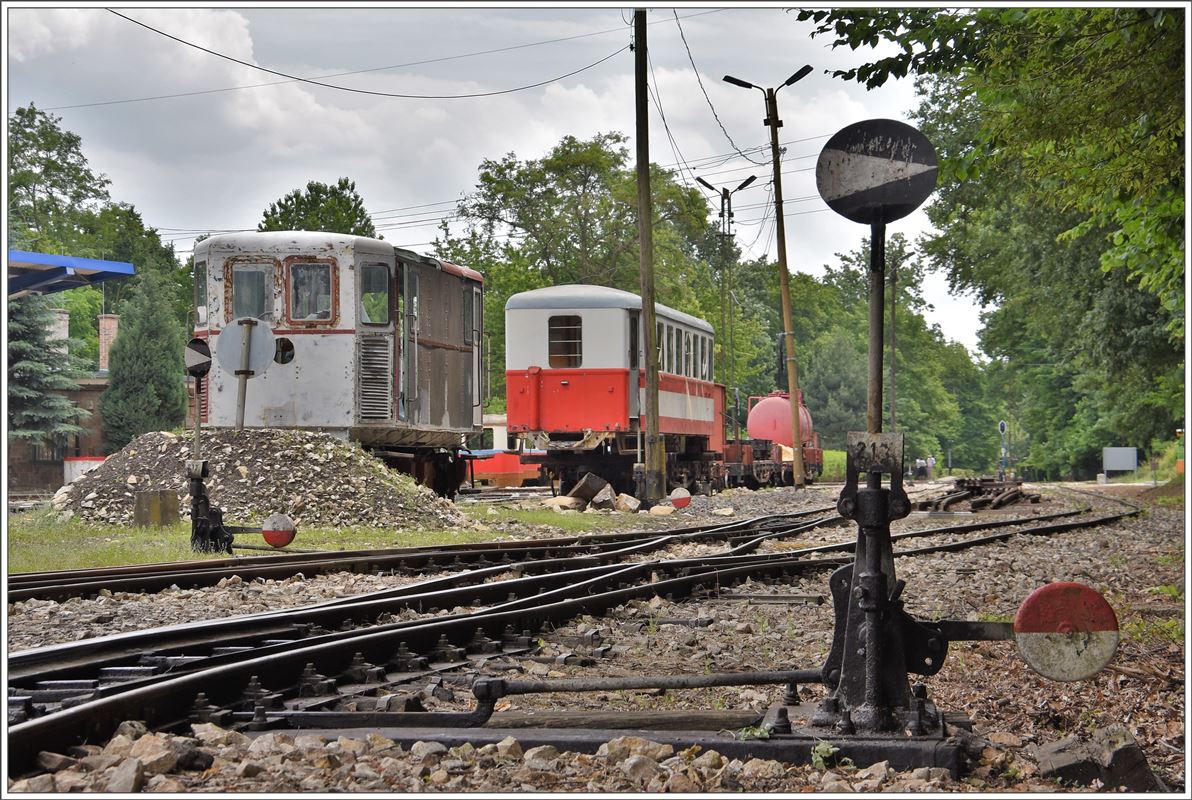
(320,207)
(40,371)
(147,390)
(1087,103)
(51,188)
(571,217)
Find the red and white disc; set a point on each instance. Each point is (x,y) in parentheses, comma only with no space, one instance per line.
(279,530)
(1066,631)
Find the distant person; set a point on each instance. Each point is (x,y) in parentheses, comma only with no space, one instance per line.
(920,467)
(931,468)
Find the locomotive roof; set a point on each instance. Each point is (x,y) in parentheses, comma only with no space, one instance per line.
(282,241)
(574,295)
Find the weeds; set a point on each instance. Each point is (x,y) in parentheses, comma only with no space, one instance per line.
(822,753)
(1168,590)
(1155,631)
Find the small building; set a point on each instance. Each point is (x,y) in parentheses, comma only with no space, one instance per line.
(43,468)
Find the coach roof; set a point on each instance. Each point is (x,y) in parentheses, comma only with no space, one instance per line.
(578,296)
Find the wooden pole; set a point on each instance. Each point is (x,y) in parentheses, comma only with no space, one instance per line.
(792,378)
(655,463)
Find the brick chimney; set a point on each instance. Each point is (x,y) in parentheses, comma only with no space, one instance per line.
(109,324)
(59,329)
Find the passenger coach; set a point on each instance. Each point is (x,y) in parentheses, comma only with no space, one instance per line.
(367,341)
(575,386)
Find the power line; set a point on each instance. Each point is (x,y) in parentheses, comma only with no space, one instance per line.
(368,91)
(369,69)
(700,81)
(656,96)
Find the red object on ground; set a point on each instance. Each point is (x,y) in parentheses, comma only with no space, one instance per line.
(1066,631)
(279,530)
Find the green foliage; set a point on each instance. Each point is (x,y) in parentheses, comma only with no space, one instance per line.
(1168,590)
(51,188)
(750,732)
(1156,631)
(822,754)
(40,371)
(85,305)
(573,219)
(1061,137)
(320,207)
(58,204)
(147,391)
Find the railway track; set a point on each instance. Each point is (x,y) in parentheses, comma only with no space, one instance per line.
(342,663)
(60,585)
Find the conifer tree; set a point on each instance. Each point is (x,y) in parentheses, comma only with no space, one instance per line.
(147,391)
(40,371)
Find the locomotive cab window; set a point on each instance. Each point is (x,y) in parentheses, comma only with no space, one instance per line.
(200,293)
(251,290)
(310,292)
(565,341)
(374,294)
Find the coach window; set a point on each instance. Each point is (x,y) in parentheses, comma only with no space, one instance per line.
(251,290)
(687,354)
(670,348)
(658,342)
(707,358)
(565,340)
(374,294)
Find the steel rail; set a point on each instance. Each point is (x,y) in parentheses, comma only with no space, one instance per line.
(188,574)
(329,653)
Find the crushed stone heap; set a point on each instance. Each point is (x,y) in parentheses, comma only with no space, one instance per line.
(317,479)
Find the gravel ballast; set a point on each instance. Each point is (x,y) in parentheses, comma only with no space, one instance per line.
(1137,563)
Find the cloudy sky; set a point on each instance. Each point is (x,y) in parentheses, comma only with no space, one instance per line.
(197,142)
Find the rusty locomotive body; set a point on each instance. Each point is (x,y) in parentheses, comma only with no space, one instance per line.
(369,342)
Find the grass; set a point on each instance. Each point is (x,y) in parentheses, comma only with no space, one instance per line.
(566,522)
(37,542)
(834,465)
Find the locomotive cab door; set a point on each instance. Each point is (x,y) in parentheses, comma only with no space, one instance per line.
(409,336)
(377,348)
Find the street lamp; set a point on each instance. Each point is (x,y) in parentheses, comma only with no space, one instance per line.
(726,232)
(774,123)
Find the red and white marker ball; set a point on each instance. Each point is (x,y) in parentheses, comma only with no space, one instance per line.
(1066,631)
(279,530)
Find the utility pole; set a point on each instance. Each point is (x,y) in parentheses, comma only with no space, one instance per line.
(792,380)
(726,296)
(655,463)
(893,351)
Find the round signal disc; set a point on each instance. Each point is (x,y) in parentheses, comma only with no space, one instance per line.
(1066,631)
(279,530)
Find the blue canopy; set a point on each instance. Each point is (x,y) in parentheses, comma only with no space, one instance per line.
(42,273)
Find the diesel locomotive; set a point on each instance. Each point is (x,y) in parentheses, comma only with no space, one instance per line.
(369,342)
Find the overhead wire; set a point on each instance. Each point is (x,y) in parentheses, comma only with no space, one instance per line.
(368,69)
(369,91)
(700,81)
(656,95)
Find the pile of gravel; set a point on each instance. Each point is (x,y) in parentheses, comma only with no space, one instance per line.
(316,478)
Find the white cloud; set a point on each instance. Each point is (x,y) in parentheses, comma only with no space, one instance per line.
(218,158)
